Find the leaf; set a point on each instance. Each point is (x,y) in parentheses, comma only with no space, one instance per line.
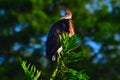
(67,56)
(69,43)
(31,72)
(77,75)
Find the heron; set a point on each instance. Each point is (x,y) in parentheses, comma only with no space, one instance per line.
(62,26)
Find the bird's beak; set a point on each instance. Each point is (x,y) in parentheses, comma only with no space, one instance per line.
(63,18)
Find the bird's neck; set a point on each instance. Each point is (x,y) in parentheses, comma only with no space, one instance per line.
(71,28)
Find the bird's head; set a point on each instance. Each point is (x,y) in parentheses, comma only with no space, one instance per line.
(68,15)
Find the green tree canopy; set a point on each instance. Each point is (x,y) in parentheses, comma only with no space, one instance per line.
(24,25)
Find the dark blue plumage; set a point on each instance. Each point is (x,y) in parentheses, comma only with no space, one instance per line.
(64,25)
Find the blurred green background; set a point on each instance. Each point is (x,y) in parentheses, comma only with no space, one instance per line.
(24,25)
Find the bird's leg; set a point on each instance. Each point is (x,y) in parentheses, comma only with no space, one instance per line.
(59,51)
(59,60)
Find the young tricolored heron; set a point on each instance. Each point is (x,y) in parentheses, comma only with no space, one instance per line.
(64,25)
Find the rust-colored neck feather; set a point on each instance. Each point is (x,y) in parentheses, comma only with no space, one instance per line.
(71,28)
(68,16)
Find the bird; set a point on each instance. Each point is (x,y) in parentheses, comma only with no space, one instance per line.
(62,26)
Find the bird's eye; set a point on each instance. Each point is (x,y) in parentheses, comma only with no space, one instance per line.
(65,13)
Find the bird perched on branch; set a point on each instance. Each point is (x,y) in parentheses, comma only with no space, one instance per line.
(64,25)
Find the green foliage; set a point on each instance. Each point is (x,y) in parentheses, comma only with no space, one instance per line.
(67,56)
(68,43)
(72,74)
(31,72)
(23,23)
